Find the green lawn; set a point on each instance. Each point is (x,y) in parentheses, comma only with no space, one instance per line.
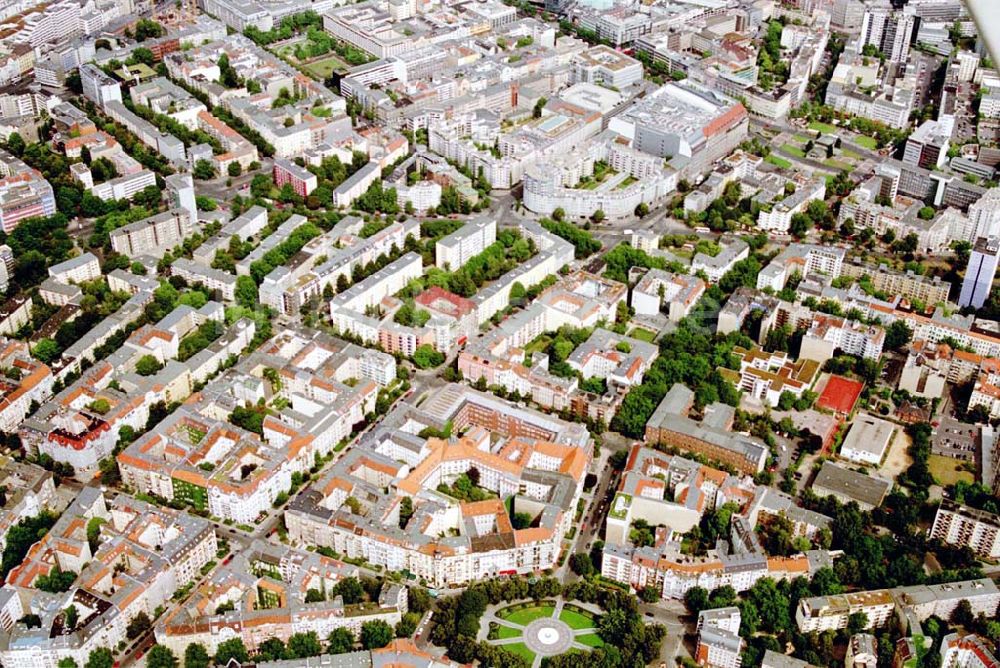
(590,640)
(851,154)
(528,615)
(642,334)
(792,149)
(507,632)
(321,69)
(868,142)
(947,471)
(778,161)
(838,165)
(825,128)
(538,345)
(576,620)
(520,649)
(802,138)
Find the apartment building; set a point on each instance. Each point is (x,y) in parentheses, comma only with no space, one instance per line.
(670,425)
(830,613)
(579,300)
(99,87)
(24,193)
(804,260)
(670,491)
(927,146)
(301,179)
(719,643)
(827,334)
(862,651)
(486,545)
(369,28)
(964,526)
(970,651)
(603,65)
(264,588)
(672,574)
(25,382)
(143,556)
(221,282)
(287,288)
(717,266)
(980,272)
(356,184)
(154,235)
(552,181)
(778,216)
(351,310)
(658,289)
(29,490)
(14,314)
(919,602)
(236,474)
(766,376)
(80,425)
(910,286)
(80,269)
(453,251)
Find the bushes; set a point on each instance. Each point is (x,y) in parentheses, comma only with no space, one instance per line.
(286,249)
(426,357)
(583,242)
(623,257)
(22,536)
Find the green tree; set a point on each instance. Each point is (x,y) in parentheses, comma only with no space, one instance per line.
(376,634)
(897,335)
(148,29)
(234,168)
(67,663)
(15,144)
(70,617)
(407,625)
(196,656)
(46,350)
(203,170)
(350,589)
(857,622)
(139,625)
(272,649)
(56,580)
(147,365)
(246,292)
(161,657)
(581,564)
(100,658)
(231,649)
(426,357)
(303,645)
(340,641)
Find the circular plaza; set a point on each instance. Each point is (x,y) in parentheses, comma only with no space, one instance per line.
(538,629)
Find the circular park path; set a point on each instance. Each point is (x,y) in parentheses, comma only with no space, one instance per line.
(539,629)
